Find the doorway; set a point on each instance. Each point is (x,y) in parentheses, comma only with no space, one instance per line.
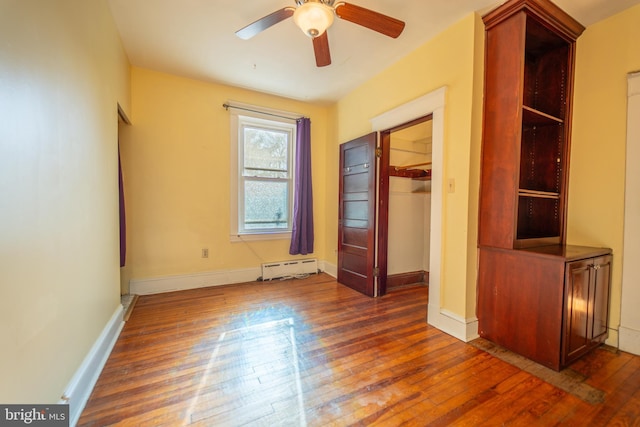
(431,103)
(123,123)
(406,161)
(394,166)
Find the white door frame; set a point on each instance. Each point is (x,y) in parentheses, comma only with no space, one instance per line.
(629,333)
(431,103)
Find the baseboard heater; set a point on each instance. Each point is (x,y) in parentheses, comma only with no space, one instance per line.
(278,270)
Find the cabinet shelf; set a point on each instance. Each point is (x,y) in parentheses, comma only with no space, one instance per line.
(533,117)
(538,194)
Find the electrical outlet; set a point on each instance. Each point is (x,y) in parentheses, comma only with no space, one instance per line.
(205,253)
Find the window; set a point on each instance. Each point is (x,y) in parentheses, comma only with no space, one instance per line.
(262,198)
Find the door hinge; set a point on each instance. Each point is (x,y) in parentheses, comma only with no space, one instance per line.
(376,272)
(378,152)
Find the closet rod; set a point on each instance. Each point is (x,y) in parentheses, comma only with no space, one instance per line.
(227,106)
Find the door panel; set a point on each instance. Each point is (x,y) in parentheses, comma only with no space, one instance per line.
(357,214)
(357,211)
(355,183)
(355,237)
(577,308)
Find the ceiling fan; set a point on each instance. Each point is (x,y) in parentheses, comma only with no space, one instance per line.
(315,16)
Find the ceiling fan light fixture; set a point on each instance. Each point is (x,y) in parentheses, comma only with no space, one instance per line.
(313,18)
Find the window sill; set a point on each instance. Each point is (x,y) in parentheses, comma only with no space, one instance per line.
(261,236)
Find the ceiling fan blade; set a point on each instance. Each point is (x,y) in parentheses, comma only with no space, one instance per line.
(321,50)
(368,18)
(265,22)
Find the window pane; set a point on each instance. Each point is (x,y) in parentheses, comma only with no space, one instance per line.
(265,205)
(266,153)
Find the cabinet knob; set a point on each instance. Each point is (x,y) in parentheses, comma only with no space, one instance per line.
(595,266)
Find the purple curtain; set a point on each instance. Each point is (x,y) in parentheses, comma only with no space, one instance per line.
(123,226)
(302,232)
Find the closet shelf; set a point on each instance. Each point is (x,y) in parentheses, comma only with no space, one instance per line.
(418,174)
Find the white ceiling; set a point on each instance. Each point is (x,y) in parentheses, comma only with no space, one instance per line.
(196,38)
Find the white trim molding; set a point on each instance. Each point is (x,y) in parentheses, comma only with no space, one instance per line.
(329,268)
(157,285)
(411,110)
(432,103)
(629,336)
(79,389)
(454,325)
(182,282)
(629,340)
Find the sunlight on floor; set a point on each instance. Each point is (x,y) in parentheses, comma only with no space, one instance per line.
(270,385)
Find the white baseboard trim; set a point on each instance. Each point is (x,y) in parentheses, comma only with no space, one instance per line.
(629,340)
(192,281)
(157,285)
(330,269)
(81,385)
(452,324)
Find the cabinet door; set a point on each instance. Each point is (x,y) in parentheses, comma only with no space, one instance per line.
(586,317)
(577,327)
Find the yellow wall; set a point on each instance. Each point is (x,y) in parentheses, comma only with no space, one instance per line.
(606,52)
(62,73)
(176,160)
(451,60)
(63,70)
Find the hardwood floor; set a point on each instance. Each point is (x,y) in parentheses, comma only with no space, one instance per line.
(313,352)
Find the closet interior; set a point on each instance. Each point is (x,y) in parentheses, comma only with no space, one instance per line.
(409,219)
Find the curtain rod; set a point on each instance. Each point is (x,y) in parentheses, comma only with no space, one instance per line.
(227,106)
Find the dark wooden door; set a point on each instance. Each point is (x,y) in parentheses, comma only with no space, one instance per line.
(357,215)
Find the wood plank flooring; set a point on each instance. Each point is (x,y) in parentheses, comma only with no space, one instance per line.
(312,352)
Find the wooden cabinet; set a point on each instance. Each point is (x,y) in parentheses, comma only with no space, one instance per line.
(537,296)
(549,304)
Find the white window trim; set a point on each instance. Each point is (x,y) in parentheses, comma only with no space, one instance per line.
(235,119)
